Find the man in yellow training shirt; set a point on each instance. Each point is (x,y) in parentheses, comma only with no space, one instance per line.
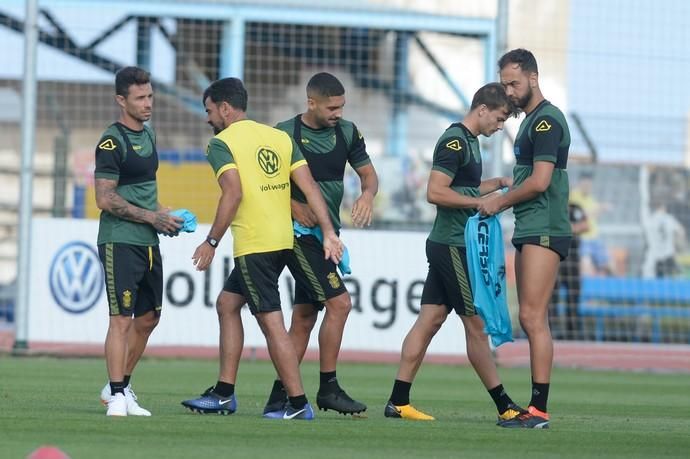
(254,164)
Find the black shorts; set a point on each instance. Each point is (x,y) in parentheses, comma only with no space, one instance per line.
(316,279)
(559,244)
(255,276)
(133,278)
(448,282)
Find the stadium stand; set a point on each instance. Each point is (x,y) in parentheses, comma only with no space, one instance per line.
(657,308)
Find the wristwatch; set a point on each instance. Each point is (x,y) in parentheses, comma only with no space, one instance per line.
(212,242)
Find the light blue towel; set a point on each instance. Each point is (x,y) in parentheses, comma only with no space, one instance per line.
(301,230)
(189,224)
(487,269)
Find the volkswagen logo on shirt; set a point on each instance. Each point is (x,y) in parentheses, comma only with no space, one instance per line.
(76,277)
(269,161)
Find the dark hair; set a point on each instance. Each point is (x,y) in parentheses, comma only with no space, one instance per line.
(525,59)
(230,90)
(325,85)
(129,76)
(494,96)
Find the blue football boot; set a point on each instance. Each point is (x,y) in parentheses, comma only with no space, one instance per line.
(210,402)
(306,413)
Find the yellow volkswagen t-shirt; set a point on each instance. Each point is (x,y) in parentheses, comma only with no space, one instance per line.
(264,157)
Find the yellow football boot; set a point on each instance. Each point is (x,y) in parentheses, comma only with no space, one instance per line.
(405,412)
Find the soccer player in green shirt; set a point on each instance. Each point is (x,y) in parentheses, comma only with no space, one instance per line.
(328,143)
(539,198)
(455,187)
(131,217)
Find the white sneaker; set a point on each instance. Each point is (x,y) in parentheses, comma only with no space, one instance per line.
(133,408)
(117,405)
(105,394)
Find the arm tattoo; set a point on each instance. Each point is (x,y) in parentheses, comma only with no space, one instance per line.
(161,219)
(116,204)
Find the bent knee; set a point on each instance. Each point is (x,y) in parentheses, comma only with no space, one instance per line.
(229,303)
(225,308)
(474,328)
(271,323)
(119,324)
(432,319)
(341,305)
(304,318)
(532,319)
(436,323)
(146,323)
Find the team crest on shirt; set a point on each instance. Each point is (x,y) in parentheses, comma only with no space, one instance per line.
(543,126)
(126,299)
(333,280)
(454,145)
(107,145)
(269,161)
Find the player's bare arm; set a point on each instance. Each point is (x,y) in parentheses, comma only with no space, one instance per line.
(439,192)
(332,246)
(303,214)
(109,200)
(229,202)
(494,184)
(363,208)
(535,184)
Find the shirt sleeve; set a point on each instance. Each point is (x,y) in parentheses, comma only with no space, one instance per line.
(219,156)
(546,137)
(297,158)
(448,156)
(108,158)
(357,155)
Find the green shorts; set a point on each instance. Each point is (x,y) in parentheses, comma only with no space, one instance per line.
(133,278)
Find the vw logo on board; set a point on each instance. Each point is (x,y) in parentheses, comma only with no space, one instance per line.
(76,277)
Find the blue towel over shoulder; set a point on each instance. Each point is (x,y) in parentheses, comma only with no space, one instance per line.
(487,269)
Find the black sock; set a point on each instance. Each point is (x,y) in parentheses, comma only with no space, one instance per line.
(277,392)
(328,382)
(500,398)
(127,378)
(224,389)
(117,386)
(401,393)
(298,402)
(540,395)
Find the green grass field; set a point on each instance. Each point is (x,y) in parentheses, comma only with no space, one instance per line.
(594,414)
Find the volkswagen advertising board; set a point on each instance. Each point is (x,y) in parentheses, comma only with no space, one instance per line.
(68,301)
